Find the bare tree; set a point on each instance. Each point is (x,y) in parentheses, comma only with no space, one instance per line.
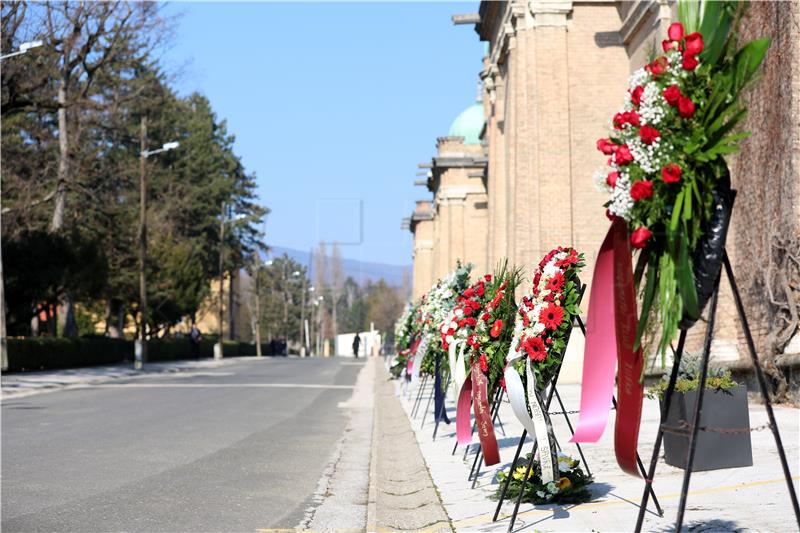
(337,283)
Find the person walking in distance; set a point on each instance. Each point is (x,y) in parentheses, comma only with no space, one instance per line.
(356,345)
(194,341)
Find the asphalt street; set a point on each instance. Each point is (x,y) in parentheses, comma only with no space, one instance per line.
(237,448)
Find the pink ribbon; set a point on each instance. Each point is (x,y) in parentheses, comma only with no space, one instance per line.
(463,426)
(600,352)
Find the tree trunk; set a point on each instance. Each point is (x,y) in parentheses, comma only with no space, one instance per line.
(57,223)
(233,277)
(114,318)
(67,326)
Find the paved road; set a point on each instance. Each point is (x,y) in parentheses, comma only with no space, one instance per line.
(236,448)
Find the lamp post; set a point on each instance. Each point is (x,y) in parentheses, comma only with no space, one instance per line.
(140,354)
(23,48)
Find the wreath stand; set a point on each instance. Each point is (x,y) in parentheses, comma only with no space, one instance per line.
(420,390)
(553,391)
(693,427)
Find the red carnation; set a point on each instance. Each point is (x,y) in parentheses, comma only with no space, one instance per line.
(535,348)
(480,290)
(672,94)
(468,310)
(639,237)
(485,317)
(606,146)
(642,190)
(488,277)
(497,327)
(623,155)
(648,134)
(551,316)
(690,62)
(484,363)
(469,293)
(636,96)
(671,173)
(694,43)
(675,31)
(471,321)
(685,107)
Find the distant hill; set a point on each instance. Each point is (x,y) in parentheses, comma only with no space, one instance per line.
(360,271)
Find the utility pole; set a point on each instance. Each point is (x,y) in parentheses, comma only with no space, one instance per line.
(141,355)
(218,353)
(303,348)
(258,305)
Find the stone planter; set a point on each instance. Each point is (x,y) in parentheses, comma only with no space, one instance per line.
(726,409)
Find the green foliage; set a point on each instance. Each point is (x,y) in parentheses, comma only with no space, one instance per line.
(46,353)
(282,300)
(717,377)
(570,487)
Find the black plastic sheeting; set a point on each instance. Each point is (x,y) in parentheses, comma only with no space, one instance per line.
(707,257)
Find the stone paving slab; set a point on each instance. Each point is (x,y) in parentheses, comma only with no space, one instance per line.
(743,499)
(402,495)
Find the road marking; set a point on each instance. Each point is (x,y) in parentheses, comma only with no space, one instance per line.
(212,385)
(487,518)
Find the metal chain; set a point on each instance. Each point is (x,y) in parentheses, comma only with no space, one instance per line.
(684,428)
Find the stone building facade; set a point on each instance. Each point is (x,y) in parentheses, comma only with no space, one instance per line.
(555,71)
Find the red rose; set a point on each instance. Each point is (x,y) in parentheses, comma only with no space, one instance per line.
(468,310)
(636,95)
(632,117)
(667,45)
(675,31)
(639,237)
(484,363)
(488,277)
(672,94)
(694,43)
(471,321)
(671,173)
(497,328)
(685,107)
(469,293)
(611,179)
(648,134)
(642,190)
(623,155)
(606,146)
(658,66)
(690,62)
(485,317)
(618,121)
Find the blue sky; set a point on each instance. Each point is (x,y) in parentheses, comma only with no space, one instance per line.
(329,103)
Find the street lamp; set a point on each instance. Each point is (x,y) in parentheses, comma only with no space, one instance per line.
(140,353)
(23,48)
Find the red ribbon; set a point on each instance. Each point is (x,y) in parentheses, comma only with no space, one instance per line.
(611,330)
(483,417)
(412,354)
(629,362)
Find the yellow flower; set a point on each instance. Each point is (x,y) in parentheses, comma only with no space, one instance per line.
(519,473)
(564,483)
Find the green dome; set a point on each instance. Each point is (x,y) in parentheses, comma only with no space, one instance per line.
(469,124)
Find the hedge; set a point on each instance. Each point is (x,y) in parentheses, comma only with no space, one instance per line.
(47,353)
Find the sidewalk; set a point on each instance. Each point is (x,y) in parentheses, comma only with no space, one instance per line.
(22,384)
(752,498)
